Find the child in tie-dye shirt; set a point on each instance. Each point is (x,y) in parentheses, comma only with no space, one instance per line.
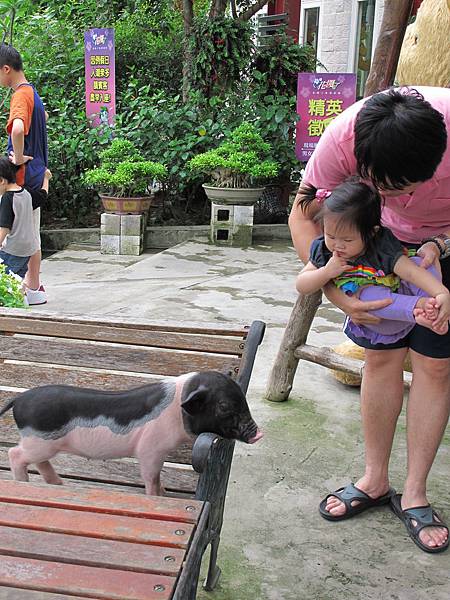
(364,258)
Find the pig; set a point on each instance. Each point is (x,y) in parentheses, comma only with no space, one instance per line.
(147,422)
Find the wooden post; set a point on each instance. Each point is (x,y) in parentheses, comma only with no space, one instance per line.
(385,59)
(295,334)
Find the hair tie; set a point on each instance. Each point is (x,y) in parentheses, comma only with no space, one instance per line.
(322,194)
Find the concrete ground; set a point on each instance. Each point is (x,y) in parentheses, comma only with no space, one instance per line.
(275,546)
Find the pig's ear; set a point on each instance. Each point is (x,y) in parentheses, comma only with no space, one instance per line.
(195,402)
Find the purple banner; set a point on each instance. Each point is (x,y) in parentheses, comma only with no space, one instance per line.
(99,61)
(321,97)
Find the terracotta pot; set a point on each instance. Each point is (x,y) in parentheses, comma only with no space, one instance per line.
(126,206)
(239,196)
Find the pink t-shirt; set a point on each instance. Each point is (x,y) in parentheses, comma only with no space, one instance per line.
(411,217)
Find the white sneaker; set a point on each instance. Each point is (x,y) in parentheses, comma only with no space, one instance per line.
(35,297)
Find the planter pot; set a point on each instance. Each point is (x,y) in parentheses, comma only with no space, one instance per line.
(126,206)
(233,196)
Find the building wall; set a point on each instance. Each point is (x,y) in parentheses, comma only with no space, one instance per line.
(338,31)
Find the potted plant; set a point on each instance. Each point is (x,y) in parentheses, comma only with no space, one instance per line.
(238,168)
(124,177)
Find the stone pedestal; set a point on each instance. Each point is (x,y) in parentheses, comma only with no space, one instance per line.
(122,234)
(231,224)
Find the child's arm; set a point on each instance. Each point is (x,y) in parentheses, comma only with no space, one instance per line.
(312,279)
(407,270)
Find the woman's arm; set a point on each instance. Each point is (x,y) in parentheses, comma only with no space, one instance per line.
(303,228)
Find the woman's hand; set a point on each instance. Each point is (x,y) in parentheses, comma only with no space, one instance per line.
(443,304)
(429,254)
(356,309)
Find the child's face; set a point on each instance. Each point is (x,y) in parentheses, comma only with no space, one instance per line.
(342,238)
(3,184)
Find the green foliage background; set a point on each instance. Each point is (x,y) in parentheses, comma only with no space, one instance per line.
(232,81)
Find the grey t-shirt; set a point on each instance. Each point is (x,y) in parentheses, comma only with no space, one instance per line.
(16,214)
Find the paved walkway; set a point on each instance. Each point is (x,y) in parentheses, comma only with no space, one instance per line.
(275,546)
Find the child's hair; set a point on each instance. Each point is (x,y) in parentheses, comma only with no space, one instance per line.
(356,204)
(8,170)
(10,56)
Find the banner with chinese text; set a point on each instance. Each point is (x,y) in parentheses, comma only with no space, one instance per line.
(100,76)
(321,97)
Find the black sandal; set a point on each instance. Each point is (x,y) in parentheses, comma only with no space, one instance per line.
(424,516)
(347,495)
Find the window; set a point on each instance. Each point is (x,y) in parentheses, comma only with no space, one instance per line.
(364,39)
(311,27)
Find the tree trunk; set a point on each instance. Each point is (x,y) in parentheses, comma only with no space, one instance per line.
(248,14)
(188,18)
(218,8)
(384,65)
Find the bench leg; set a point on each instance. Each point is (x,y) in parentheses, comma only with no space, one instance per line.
(213,570)
(285,365)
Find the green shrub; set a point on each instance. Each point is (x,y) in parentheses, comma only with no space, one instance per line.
(123,172)
(239,162)
(11,293)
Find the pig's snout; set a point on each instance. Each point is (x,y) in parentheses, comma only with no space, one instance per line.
(255,438)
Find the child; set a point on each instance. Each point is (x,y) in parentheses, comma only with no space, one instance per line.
(18,236)
(364,258)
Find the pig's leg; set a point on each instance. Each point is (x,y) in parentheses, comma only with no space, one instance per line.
(18,463)
(151,474)
(48,473)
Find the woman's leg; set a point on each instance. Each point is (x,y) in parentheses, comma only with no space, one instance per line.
(381,403)
(427,417)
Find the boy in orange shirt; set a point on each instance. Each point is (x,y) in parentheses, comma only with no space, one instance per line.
(27,146)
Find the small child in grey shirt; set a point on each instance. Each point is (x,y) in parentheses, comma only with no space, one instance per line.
(18,238)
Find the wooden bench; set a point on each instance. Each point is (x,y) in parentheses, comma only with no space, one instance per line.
(42,348)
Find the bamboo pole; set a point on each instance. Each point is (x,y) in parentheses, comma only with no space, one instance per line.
(332,360)
(283,370)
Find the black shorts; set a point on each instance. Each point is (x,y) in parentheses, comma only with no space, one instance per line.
(420,339)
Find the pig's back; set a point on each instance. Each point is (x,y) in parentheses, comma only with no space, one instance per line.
(53,411)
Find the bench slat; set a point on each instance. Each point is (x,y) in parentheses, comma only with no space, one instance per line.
(89,551)
(126,323)
(91,582)
(100,501)
(125,358)
(9,593)
(121,335)
(118,471)
(28,376)
(96,525)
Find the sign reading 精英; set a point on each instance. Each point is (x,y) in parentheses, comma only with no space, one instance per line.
(321,97)
(99,61)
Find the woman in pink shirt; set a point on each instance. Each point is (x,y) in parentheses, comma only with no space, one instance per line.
(397,140)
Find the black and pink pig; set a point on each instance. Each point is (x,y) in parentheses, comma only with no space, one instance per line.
(147,422)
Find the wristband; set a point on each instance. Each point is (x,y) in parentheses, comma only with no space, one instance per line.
(445,239)
(434,241)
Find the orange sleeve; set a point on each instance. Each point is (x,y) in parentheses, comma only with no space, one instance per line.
(21,108)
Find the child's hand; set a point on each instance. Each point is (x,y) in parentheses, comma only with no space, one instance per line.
(48,174)
(443,304)
(336,266)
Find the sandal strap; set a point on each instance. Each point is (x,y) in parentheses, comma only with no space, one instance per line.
(349,493)
(424,516)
